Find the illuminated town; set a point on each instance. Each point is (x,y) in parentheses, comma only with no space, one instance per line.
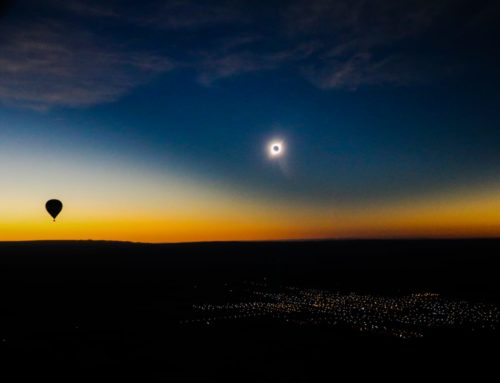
(408,316)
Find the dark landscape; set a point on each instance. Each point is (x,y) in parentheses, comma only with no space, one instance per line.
(260,311)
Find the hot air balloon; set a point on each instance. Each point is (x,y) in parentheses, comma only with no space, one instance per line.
(54,207)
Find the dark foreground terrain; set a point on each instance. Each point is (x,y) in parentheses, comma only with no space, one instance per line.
(279,311)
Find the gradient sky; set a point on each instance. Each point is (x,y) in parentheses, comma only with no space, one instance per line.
(151,120)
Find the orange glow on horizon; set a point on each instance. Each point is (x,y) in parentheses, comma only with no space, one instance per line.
(472,215)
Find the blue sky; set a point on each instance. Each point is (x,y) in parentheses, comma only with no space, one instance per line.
(376,100)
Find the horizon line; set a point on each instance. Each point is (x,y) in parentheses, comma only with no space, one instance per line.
(350,239)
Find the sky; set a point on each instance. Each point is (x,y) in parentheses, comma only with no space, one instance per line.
(151,121)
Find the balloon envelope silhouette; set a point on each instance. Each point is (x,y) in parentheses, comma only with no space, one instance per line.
(54,207)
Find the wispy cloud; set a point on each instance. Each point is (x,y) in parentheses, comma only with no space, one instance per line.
(364,40)
(58,55)
(362,69)
(226,63)
(47,65)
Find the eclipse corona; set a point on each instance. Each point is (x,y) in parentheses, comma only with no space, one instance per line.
(276,149)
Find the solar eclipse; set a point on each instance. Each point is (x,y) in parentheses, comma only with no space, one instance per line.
(276,149)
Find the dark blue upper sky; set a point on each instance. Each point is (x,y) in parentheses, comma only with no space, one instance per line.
(376,99)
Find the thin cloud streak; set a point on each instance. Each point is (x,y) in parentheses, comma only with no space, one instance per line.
(43,66)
